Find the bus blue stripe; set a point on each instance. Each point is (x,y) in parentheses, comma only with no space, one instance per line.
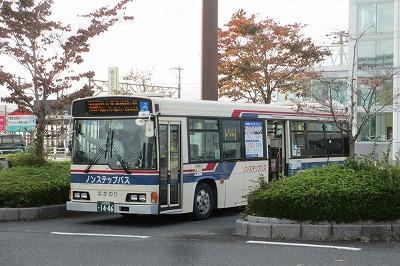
(308,164)
(222,172)
(115,179)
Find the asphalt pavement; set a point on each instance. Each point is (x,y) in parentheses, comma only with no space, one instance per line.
(97,239)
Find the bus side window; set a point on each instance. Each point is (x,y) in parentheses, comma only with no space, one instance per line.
(231,140)
(204,140)
(194,151)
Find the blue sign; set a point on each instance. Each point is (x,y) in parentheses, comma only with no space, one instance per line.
(144,106)
(21,123)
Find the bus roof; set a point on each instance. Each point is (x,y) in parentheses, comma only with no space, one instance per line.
(204,108)
(179,107)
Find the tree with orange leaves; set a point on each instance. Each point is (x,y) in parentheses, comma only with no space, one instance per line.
(256,58)
(48,51)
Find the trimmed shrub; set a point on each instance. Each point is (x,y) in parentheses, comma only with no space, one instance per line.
(27,186)
(24,159)
(358,190)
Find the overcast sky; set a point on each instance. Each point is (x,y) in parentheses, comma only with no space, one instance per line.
(166,34)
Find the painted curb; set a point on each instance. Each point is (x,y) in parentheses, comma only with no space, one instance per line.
(283,229)
(35,213)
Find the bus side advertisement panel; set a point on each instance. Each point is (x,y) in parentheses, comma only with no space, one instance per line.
(244,177)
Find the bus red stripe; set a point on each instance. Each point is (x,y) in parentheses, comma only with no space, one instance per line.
(238,113)
(209,167)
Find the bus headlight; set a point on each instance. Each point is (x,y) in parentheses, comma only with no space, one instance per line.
(134,197)
(81,195)
(142,197)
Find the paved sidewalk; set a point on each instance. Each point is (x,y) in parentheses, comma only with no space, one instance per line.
(283,229)
(36,213)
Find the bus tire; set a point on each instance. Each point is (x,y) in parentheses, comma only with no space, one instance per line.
(203,201)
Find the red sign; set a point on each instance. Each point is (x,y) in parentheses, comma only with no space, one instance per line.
(2,122)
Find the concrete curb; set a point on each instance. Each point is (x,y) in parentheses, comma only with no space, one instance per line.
(36,213)
(283,229)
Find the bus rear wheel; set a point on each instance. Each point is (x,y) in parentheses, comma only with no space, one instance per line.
(203,201)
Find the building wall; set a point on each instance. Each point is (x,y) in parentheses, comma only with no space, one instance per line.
(379,47)
(396,80)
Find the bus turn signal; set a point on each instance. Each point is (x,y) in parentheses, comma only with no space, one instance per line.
(154,197)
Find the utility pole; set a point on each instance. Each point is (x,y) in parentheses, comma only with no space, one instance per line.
(179,80)
(340,41)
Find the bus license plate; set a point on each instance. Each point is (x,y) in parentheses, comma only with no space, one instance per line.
(105,206)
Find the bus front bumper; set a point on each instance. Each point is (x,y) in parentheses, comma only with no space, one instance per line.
(118,208)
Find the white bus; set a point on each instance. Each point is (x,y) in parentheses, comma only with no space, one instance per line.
(152,155)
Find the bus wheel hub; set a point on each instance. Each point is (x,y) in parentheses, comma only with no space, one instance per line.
(203,201)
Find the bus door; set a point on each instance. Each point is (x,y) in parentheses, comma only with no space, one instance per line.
(170,164)
(276,149)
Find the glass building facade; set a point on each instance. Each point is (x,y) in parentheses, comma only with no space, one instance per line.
(375,17)
(374,23)
(374,27)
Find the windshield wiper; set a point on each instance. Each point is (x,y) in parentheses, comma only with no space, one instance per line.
(111,143)
(123,163)
(96,157)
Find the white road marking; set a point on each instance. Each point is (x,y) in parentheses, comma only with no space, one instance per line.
(103,235)
(302,245)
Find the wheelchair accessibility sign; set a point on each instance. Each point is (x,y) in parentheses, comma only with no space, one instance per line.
(144,109)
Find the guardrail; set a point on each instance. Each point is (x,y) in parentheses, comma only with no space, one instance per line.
(10,151)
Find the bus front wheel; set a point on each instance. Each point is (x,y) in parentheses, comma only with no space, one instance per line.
(203,201)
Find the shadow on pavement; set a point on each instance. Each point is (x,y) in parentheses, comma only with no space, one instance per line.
(155,220)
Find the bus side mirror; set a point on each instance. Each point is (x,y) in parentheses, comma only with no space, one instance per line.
(149,129)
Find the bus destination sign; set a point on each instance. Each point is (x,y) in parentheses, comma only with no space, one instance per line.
(113,107)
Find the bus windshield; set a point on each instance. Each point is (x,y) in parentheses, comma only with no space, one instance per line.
(119,143)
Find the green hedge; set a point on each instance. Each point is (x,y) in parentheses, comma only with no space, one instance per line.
(358,190)
(25,159)
(34,186)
